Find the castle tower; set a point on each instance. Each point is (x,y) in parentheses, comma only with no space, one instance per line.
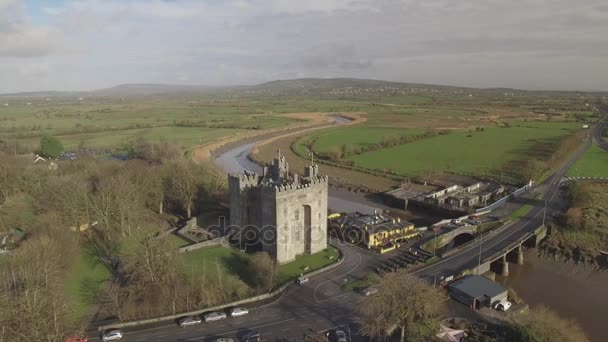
(289,212)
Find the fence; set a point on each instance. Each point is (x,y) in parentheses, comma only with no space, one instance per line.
(504,200)
(220,241)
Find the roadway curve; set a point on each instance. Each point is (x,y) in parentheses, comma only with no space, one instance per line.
(321,304)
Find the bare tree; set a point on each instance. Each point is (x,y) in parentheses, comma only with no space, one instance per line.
(404,302)
(262,268)
(546,325)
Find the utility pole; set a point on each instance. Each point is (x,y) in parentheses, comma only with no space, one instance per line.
(479,260)
(544,213)
(435,244)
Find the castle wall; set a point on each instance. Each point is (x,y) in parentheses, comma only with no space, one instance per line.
(290,213)
(292,218)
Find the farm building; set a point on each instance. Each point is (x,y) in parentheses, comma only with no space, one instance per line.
(477,291)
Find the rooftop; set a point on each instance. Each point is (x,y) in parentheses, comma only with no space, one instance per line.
(477,286)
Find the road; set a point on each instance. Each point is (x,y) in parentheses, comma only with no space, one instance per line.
(321,305)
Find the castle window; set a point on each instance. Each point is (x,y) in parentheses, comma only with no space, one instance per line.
(297,214)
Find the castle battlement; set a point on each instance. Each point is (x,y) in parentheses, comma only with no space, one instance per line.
(282,199)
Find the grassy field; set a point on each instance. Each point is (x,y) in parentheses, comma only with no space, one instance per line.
(357,136)
(477,152)
(594,163)
(233,263)
(83,282)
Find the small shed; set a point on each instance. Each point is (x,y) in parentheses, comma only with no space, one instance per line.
(477,291)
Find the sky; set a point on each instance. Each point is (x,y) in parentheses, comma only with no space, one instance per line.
(92,44)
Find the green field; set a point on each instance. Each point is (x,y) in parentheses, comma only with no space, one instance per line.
(594,163)
(83,282)
(233,263)
(475,152)
(357,136)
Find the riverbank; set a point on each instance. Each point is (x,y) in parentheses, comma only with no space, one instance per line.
(572,291)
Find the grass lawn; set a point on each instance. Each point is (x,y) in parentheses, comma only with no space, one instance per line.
(594,163)
(315,261)
(233,263)
(370,279)
(483,152)
(524,209)
(83,283)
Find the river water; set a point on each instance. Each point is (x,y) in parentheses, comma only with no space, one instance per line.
(236,160)
(571,291)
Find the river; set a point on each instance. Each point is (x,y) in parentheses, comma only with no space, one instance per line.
(571,291)
(236,160)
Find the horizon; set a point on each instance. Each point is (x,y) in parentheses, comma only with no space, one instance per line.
(86,45)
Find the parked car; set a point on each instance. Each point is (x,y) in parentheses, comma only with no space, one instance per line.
(214,316)
(223,339)
(112,335)
(237,312)
(189,321)
(503,305)
(341,336)
(302,280)
(456,221)
(370,291)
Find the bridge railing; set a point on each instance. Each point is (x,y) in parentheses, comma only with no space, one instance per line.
(504,200)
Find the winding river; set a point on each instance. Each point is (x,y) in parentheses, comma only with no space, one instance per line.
(236,160)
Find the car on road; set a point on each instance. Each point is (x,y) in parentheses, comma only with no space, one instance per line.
(237,312)
(370,291)
(302,280)
(214,316)
(112,335)
(503,305)
(223,339)
(341,336)
(251,336)
(189,321)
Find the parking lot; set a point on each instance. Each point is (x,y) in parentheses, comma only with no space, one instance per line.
(403,260)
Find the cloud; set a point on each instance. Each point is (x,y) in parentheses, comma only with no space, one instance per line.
(95,43)
(20,38)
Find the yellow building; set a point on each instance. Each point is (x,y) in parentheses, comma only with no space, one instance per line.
(389,234)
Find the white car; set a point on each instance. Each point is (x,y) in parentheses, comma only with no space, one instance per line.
(112,335)
(370,291)
(503,305)
(237,312)
(341,336)
(302,280)
(214,316)
(189,321)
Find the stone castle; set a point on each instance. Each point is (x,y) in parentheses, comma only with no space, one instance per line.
(289,212)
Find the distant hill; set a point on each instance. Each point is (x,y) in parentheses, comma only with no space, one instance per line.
(150,89)
(302,86)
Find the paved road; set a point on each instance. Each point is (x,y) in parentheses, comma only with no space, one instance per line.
(321,304)
(316,306)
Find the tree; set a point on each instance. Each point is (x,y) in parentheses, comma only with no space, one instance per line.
(50,146)
(404,302)
(542,324)
(262,268)
(184,184)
